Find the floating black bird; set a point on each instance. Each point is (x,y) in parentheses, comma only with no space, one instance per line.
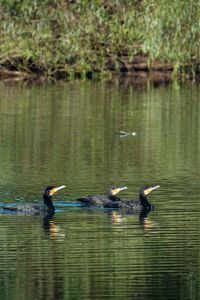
(135,205)
(47,207)
(102,200)
(112,201)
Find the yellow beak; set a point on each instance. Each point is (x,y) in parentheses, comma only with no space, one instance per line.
(150,189)
(118,189)
(56,189)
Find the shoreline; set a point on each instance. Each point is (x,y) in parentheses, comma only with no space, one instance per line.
(137,69)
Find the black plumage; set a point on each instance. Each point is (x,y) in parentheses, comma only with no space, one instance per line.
(111,201)
(46,207)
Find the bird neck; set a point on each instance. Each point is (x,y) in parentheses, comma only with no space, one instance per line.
(48,202)
(114,198)
(144,202)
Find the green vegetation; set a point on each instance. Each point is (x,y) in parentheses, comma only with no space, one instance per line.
(83,37)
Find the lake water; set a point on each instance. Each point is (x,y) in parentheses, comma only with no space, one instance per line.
(67,133)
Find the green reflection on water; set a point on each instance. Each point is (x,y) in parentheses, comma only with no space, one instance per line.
(66,134)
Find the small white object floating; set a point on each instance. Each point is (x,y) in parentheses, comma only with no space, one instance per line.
(124,133)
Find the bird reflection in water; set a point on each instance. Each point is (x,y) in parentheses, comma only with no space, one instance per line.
(119,219)
(146,224)
(52,230)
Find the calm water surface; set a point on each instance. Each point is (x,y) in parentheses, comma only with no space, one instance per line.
(66,134)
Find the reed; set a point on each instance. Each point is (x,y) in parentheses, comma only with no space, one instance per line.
(82,37)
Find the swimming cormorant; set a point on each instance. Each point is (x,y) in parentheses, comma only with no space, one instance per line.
(101,200)
(135,205)
(47,207)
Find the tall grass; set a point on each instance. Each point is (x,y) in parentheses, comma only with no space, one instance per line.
(83,36)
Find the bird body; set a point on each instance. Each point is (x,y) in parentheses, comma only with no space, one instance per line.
(125,204)
(96,200)
(46,207)
(33,208)
(102,200)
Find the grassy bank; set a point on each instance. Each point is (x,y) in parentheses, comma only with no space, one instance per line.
(62,38)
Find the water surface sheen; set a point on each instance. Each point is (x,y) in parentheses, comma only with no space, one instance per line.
(66,134)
